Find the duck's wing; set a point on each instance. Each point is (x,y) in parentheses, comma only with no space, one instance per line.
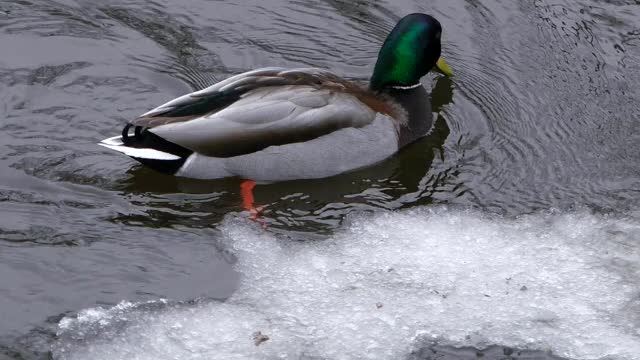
(258,109)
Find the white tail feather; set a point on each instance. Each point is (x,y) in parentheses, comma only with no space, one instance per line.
(115,143)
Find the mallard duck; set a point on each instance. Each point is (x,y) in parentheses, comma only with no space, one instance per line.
(275,124)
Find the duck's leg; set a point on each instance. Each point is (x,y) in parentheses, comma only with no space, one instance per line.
(248,202)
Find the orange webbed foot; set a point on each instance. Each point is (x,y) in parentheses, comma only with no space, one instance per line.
(248,200)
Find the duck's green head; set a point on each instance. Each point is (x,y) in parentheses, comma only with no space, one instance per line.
(410,51)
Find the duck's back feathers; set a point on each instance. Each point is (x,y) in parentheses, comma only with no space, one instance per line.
(260,116)
(268,116)
(262,108)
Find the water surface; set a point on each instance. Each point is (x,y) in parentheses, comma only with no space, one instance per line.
(529,179)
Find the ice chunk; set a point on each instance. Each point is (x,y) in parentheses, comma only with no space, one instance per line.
(387,284)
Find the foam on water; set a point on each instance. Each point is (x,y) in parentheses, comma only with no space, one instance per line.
(390,284)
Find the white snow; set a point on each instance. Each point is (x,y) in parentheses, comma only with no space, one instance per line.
(391,283)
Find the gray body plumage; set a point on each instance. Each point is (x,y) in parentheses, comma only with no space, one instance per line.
(340,151)
(274,124)
(268,116)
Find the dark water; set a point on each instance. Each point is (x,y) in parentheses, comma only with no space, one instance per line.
(542,117)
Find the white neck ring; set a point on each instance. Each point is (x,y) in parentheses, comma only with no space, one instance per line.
(407,87)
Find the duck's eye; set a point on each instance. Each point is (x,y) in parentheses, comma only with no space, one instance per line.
(438,35)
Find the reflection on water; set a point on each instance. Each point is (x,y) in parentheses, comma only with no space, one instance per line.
(541,115)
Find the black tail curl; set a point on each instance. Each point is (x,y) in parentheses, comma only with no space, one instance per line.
(143,138)
(125,135)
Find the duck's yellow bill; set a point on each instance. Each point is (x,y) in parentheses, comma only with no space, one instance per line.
(443,67)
